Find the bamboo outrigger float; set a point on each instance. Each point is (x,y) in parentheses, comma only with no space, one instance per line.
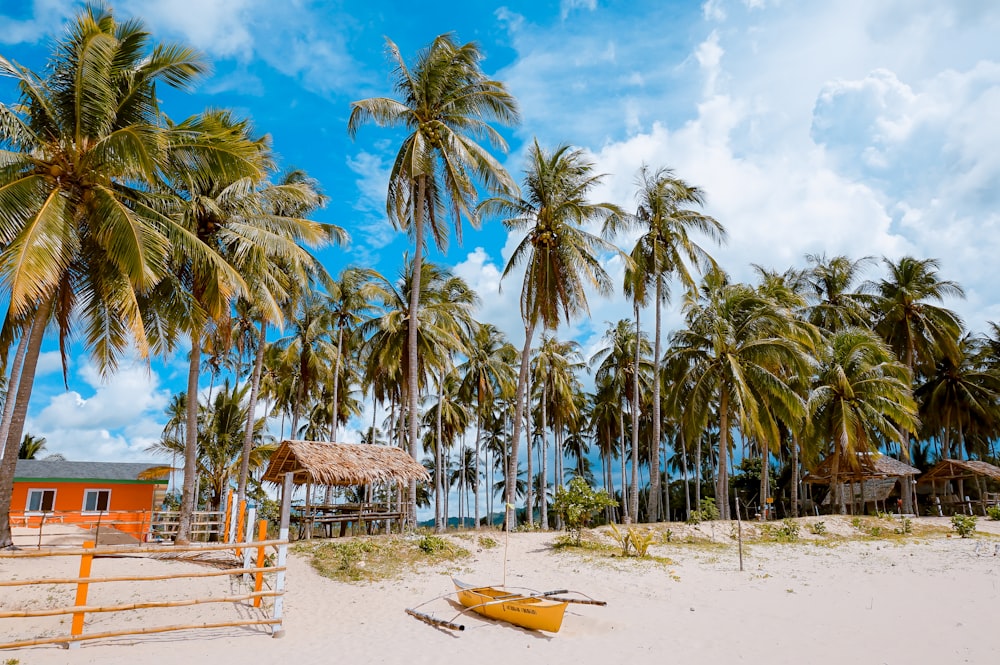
(525,608)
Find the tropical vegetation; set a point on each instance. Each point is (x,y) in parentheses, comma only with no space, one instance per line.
(131,233)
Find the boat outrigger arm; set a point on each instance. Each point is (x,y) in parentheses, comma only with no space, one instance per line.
(557,596)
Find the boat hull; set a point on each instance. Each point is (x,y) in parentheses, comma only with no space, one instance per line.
(522,610)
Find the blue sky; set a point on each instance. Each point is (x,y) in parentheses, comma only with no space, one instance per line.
(846,127)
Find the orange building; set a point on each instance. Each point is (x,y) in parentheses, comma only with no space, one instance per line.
(122,495)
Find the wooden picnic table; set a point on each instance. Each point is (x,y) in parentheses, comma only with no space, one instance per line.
(345,513)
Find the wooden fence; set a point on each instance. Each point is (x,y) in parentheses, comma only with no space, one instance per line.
(254,568)
(143,525)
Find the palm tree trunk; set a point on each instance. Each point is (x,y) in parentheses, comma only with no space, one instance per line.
(634,495)
(438,445)
(795,475)
(411,337)
(515,439)
(475,485)
(543,514)
(12,384)
(529,498)
(19,412)
(697,475)
(687,478)
(258,367)
(654,463)
(722,484)
(626,513)
(188,498)
(336,382)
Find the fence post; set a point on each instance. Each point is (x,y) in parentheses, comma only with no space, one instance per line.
(258,584)
(226,530)
(81,594)
(240,516)
(279,582)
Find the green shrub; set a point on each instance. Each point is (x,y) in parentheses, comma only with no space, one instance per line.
(993,512)
(577,503)
(817,528)
(633,542)
(432,544)
(487,543)
(905,527)
(707,512)
(788,531)
(965,525)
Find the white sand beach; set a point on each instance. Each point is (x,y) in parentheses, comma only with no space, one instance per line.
(926,599)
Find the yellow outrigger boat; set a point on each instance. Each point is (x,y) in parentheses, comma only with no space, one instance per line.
(532,612)
(527,609)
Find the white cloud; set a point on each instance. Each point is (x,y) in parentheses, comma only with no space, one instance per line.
(115,419)
(568,6)
(222,29)
(860,128)
(45,18)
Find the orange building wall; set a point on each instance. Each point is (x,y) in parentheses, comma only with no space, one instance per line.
(128,506)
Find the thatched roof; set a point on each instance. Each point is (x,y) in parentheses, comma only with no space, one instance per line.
(863,466)
(342,464)
(947,469)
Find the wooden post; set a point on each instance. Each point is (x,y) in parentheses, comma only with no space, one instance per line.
(258,584)
(226,528)
(279,581)
(81,594)
(240,514)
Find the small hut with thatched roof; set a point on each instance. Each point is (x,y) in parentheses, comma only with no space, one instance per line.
(946,470)
(320,463)
(866,478)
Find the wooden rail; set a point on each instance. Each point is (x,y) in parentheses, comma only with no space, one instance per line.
(80,609)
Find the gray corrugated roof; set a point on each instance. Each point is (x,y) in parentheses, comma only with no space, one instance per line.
(39,468)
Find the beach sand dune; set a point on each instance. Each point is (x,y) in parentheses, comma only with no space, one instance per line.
(928,599)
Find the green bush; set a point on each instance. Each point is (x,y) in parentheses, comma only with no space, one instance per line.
(788,530)
(577,503)
(965,525)
(817,528)
(432,544)
(993,512)
(633,542)
(905,527)
(707,512)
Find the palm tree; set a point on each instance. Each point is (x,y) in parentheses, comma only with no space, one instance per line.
(555,367)
(559,255)
(618,367)
(30,446)
(296,195)
(961,396)
(220,441)
(217,171)
(446,102)
(444,320)
(737,348)
(665,249)
(352,300)
(80,236)
(485,376)
(861,397)
(830,283)
(918,331)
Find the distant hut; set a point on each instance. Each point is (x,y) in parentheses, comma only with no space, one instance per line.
(939,477)
(868,478)
(322,463)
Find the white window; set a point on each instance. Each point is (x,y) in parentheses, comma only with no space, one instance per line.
(41,501)
(95,501)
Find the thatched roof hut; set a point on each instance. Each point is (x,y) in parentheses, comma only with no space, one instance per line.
(323,463)
(950,469)
(867,466)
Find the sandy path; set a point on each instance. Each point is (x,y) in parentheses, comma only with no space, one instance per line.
(933,600)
